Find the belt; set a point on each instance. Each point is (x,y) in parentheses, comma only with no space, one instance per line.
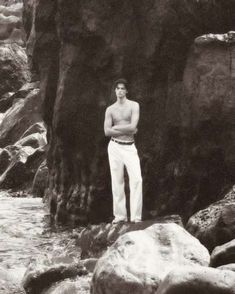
(122,142)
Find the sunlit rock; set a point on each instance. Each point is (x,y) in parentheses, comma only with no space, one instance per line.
(95,239)
(138,261)
(198,280)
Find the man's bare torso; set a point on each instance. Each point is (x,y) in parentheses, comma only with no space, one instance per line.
(121,115)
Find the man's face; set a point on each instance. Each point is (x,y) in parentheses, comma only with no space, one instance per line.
(120,90)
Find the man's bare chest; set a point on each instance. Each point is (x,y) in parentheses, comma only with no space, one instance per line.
(121,114)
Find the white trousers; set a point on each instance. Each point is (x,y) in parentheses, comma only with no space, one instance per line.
(120,156)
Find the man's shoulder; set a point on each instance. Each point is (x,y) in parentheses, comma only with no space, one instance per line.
(134,104)
(110,107)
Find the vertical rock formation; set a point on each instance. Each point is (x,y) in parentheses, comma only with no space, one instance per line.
(80,47)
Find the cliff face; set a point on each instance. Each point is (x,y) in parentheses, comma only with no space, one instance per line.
(185,91)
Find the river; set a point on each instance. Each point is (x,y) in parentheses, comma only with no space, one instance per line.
(26,235)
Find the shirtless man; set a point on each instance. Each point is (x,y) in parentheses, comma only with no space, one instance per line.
(121,119)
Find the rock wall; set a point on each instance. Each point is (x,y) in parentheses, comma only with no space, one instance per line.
(79,48)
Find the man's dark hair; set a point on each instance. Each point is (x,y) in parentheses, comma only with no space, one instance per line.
(120,81)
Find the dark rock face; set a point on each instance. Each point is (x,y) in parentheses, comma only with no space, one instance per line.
(22,139)
(186,98)
(214,225)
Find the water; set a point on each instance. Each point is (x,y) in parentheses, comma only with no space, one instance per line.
(26,234)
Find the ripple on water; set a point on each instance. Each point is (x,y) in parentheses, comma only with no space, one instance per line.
(25,234)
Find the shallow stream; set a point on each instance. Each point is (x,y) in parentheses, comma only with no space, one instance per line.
(26,234)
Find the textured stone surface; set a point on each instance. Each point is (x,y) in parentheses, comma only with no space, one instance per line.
(14,70)
(223,254)
(198,280)
(187,99)
(215,225)
(138,261)
(95,240)
(17,119)
(41,276)
(5,159)
(40,181)
(11,23)
(80,285)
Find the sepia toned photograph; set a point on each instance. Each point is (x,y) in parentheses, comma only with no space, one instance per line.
(117,146)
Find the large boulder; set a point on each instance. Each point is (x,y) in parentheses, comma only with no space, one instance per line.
(43,273)
(138,261)
(215,225)
(80,48)
(198,280)
(95,239)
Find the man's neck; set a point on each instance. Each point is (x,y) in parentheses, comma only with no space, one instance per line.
(121,100)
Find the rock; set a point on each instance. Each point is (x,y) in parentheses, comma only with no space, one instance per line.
(11,23)
(228,267)
(40,181)
(94,240)
(223,254)
(8,99)
(42,274)
(214,225)
(138,261)
(36,140)
(22,168)
(198,280)
(38,127)
(186,99)
(22,115)
(14,70)
(79,285)
(5,158)
(216,38)
(89,264)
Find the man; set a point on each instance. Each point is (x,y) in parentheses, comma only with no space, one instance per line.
(121,119)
